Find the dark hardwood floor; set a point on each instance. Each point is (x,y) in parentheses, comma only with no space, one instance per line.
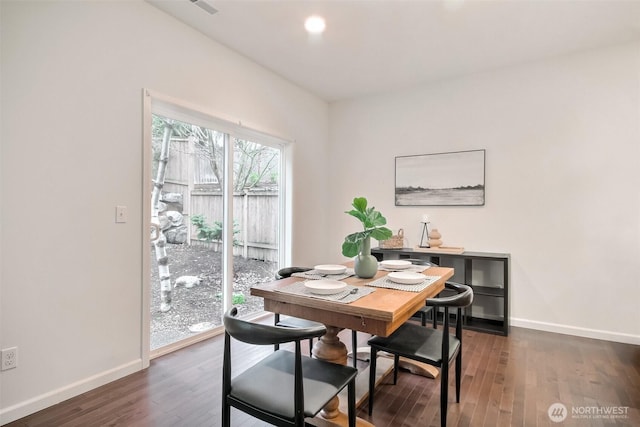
(507,381)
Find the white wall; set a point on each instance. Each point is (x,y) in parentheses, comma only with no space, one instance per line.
(562,139)
(72,80)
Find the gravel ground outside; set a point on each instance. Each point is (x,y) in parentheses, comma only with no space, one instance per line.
(200,307)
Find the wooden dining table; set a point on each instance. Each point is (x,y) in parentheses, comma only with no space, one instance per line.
(378,313)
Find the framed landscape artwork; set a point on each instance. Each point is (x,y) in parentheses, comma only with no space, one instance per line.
(442,179)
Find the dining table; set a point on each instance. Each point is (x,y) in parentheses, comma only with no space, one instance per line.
(373,309)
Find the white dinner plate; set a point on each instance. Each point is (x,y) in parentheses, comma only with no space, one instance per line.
(407,277)
(395,264)
(325,287)
(330,269)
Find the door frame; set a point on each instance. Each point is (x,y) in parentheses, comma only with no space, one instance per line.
(181,110)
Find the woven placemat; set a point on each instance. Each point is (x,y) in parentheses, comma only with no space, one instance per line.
(384,282)
(345,296)
(314,275)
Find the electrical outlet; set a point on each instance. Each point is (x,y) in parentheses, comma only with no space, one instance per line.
(9,358)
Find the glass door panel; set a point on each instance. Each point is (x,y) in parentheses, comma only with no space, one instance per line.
(256,219)
(188,290)
(186,277)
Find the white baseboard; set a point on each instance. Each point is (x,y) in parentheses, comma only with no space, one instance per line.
(576,331)
(53,397)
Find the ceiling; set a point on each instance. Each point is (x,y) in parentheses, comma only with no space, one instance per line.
(374,46)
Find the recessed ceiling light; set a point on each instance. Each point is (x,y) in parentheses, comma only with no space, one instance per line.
(315,24)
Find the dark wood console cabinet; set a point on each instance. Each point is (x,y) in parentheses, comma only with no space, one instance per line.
(487,273)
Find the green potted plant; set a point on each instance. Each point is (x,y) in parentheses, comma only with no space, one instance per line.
(359,244)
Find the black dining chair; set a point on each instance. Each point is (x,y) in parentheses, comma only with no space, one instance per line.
(295,322)
(285,387)
(436,347)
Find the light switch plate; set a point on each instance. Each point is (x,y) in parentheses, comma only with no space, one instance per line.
(122,215)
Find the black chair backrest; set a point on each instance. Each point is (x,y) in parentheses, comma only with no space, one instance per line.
(288,271)
(258,334)
(463,296)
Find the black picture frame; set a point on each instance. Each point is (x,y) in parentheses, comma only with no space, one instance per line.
(441,179)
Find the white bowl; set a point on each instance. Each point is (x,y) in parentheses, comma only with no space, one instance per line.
(407,277)
(395,264)
(325,287)
(330,269)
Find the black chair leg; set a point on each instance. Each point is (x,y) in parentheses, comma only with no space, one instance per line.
(444,395)
(372,377)
(226,414)
(458,375)
(276,319)
(351,396)
(354,348)
(396,368)
(310,347)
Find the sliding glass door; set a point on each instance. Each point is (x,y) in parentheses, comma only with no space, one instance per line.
(216,222)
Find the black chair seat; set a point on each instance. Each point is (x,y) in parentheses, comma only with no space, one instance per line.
(417,342)
(275,374)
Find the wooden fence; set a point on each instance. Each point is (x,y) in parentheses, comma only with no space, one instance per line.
(255,213)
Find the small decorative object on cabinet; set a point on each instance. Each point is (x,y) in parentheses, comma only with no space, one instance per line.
(424,239)
(434,238)
(487,273)
(394,242)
